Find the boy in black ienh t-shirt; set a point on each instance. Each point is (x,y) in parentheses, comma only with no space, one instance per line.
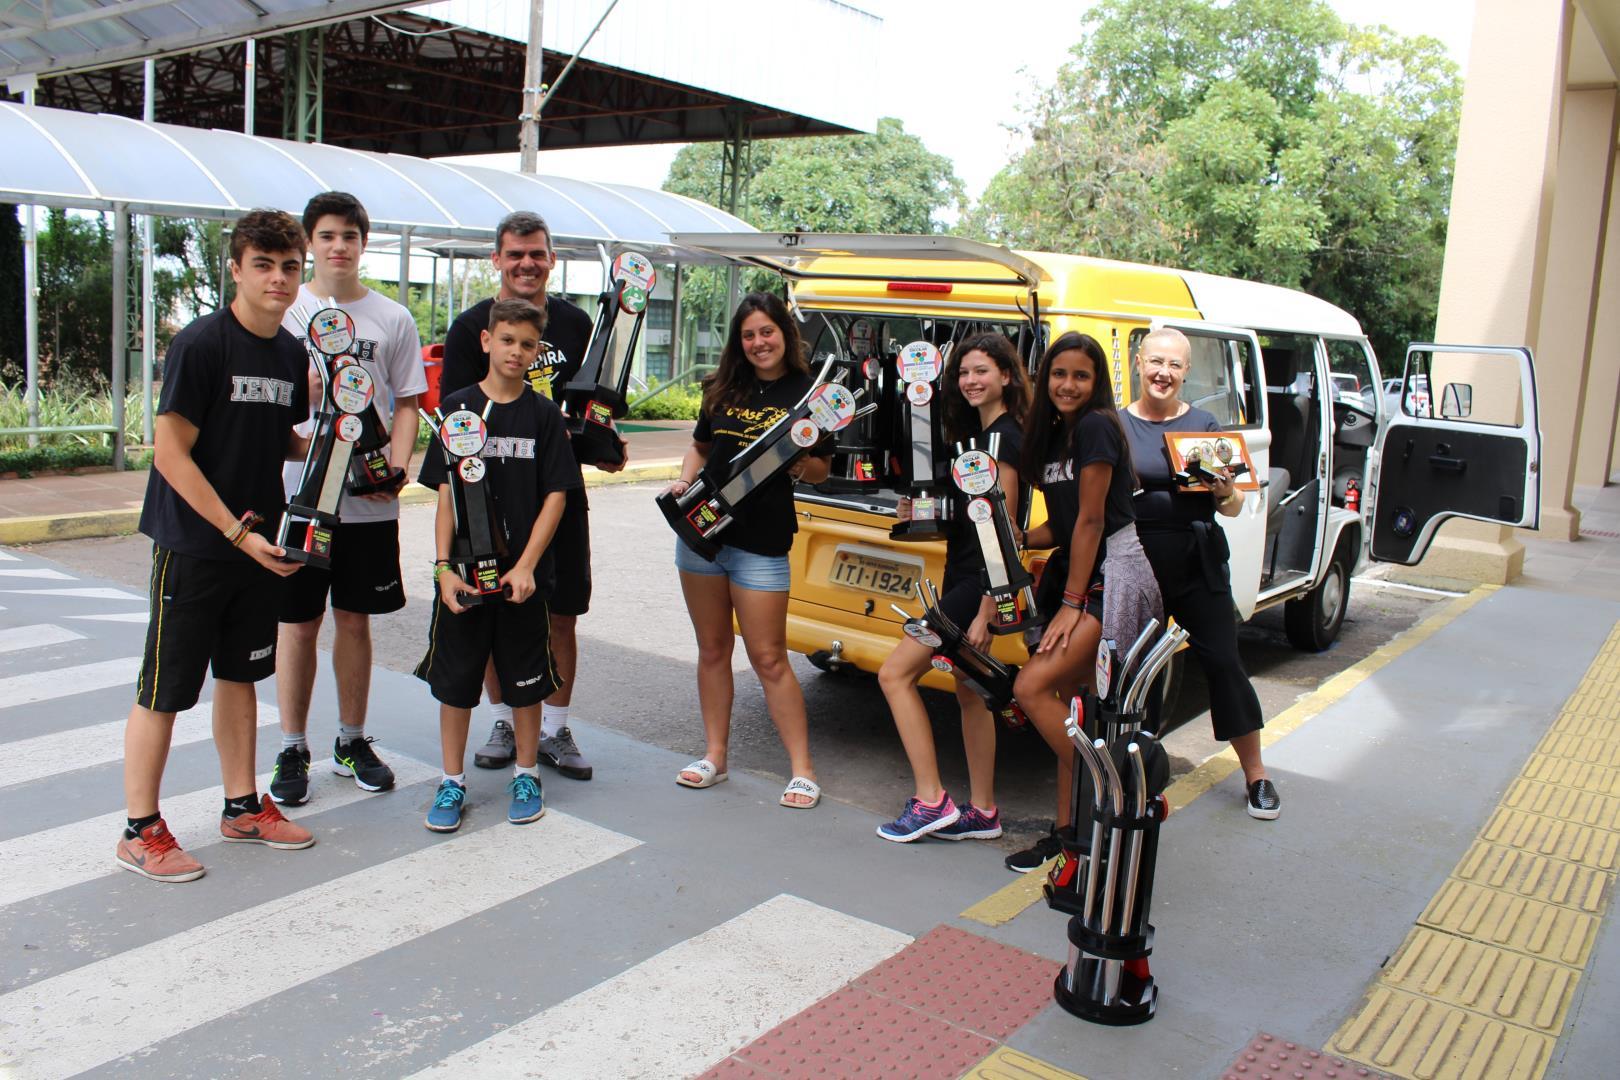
(529,468)
(234,385)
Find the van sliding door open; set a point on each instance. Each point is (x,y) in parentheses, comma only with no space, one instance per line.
(1465,442)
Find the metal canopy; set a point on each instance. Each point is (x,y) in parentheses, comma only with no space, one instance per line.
(790,254)
(68,159)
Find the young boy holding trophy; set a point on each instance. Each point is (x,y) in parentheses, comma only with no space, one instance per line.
(502,469)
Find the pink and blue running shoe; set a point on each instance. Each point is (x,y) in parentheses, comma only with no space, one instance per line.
(919,819)
(973,824)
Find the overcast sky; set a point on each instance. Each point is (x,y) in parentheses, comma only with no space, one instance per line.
(982,82)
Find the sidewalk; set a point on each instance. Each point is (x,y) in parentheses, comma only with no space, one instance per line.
(45,508)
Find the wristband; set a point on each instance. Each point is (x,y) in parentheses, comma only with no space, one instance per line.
(1072,603)
(440,568)
(1078,598)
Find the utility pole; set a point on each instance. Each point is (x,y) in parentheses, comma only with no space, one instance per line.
(533,77)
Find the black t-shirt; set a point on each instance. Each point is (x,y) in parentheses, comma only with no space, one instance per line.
(1160,502)
(562,351)
(243,393)
(1094,440)
(963,556)
(528,458)
(765,524)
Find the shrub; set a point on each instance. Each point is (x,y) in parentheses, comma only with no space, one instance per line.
(676,403)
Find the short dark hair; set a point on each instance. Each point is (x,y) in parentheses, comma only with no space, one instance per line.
(270,231)
(521,223)
(340,203)
(517,311)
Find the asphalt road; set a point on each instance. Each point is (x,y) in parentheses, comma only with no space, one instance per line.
(637,676)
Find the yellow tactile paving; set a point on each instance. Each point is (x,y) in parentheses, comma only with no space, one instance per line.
(1481,987)
(1411,1036)
(1524,873)
(1503,985)
(1007,1064)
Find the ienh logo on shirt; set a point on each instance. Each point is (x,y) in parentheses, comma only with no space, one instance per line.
(256,389)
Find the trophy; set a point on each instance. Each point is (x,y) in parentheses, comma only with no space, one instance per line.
(953,654)
(1011,587)
(860,462)
(707,506)
(595,396)
(346,393)
(478,544)
(369,471)
(919,365)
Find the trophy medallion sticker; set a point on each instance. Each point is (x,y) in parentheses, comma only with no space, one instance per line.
(920,362)
(464,433)
(920,633)
(980,511)
(871,367)
(472,469)
(942,664)
(832,407)
(349,428)
(975,473)
(804,433)
(1105,671)
(919,393)
(636,271)
(351,388)
(861,336)
(331,331)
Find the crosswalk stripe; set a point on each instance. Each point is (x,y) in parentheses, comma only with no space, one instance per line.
(116,616)
(65,681)
(38,636)
(772,961)
(97,1013)
(6,556)
(88,592)
(43,572)
(52,859)
(79,748)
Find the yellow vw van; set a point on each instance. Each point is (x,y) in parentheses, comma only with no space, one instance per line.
(1295,374)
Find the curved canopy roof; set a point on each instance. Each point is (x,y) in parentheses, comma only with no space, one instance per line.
(103,162)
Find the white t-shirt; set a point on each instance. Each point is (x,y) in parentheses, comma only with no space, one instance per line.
(385,340)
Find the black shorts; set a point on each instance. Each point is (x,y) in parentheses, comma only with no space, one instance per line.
(204,613)
(1055,579)
(518,636)
(364,577)
(571,557)
(960,599)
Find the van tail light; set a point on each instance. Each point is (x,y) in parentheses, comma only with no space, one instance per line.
(920,286)
(1037,567)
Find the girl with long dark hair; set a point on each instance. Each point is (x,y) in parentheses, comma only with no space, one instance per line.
(1075,449)
(761,375)
(985,391)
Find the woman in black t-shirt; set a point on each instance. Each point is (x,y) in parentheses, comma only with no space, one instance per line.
(761,375)
(1075,449)
(985,391)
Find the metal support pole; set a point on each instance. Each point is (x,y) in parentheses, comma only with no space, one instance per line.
(534,73)
(405,267)
(734,166)
(450,292)
(250,75)
(148,286)
(675,367)
(120,326)
(31,295)
(433,300)
(301,117)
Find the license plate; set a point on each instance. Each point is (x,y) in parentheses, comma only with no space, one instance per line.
(868,571)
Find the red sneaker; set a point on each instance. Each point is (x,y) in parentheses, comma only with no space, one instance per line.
(266,827)
(156,854)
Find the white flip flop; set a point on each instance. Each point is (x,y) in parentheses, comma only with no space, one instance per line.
(704,768)
(802,785)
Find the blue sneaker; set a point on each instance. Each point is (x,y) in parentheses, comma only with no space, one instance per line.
(527,803)
(919,820)
(445,813)
(973,824)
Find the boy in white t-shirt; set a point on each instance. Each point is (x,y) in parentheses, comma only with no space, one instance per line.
(364,579)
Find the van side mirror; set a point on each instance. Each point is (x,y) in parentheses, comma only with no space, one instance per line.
(1457,402)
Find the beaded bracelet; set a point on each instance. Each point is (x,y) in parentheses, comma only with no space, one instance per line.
(440,568)
(244,525)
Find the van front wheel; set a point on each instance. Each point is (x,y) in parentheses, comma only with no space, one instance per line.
(1312,622)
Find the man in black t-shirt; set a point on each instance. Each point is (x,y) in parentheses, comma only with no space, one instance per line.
(524,257)
(234,385)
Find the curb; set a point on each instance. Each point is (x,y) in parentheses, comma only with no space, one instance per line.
(94,524)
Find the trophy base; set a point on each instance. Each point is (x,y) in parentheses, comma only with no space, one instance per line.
(312,559)
(676,515)
(915,531)
(394,482)
(595,444)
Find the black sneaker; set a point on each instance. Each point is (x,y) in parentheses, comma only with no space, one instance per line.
(1036,855)
(561,752)
(1264,803)
(356,758)
(289,780)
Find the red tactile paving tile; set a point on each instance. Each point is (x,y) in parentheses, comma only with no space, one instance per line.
(854,1033)
(1009,986)
(734,1068)
(1269,1058)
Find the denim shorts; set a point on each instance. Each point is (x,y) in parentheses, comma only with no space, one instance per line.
(762,573)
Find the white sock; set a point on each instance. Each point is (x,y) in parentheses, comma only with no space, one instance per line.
(526,770)
(460,778)
(499,710)
(553,718)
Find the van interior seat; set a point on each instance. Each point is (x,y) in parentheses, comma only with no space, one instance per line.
(1277,481)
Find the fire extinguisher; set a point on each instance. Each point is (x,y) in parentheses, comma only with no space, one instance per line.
(1352,495)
